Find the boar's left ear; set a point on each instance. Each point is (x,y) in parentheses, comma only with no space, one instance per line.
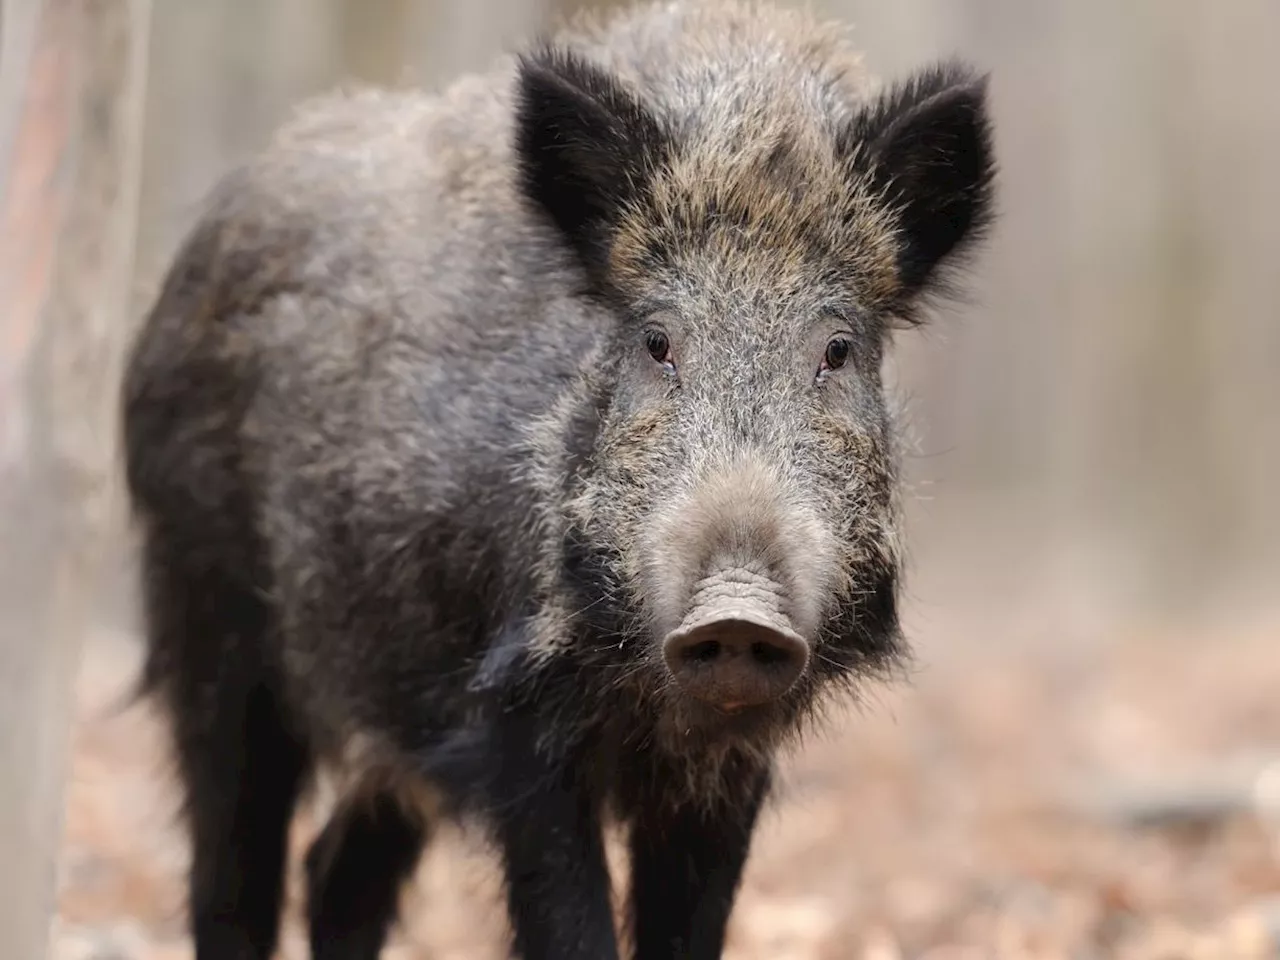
(586,147)
(925,144)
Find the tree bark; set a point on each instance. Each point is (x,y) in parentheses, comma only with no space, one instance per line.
(67,207)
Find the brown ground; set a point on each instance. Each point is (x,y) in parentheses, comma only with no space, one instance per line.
(968,815)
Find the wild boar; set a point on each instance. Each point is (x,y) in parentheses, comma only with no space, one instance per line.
(521,453)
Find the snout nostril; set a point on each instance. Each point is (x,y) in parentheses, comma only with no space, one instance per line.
(703,652)
(770,655)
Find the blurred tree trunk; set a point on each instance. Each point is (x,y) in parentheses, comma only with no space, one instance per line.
(374,36)
(224,75)
(1230,127)
(67,216)
(1136,459)
(457,38)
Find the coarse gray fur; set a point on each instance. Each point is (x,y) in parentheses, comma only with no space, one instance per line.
(404,466)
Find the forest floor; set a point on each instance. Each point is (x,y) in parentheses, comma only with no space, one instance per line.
(1102,794)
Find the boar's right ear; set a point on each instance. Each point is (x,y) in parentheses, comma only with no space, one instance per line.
(586,147)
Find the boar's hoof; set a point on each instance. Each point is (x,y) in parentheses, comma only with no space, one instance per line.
(735,659)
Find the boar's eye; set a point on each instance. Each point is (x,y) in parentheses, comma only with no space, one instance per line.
(659,346)
(837,354)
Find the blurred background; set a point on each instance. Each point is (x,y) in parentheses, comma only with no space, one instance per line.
(1083,765)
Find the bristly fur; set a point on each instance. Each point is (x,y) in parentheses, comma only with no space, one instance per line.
(418,504)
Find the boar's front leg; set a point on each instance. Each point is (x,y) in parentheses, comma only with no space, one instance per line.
(548,830)
(686,863)
(355,869)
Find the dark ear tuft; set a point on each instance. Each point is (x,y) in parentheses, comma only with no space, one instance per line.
(926,143)
(586,147)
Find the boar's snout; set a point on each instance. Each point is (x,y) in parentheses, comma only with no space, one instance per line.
(735,650)
(734,663)
(739,572)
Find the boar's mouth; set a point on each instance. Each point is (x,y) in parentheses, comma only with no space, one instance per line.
(736,648)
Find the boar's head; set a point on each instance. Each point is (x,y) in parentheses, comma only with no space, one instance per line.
(754,236)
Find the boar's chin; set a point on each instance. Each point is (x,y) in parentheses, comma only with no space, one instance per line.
(688,726)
